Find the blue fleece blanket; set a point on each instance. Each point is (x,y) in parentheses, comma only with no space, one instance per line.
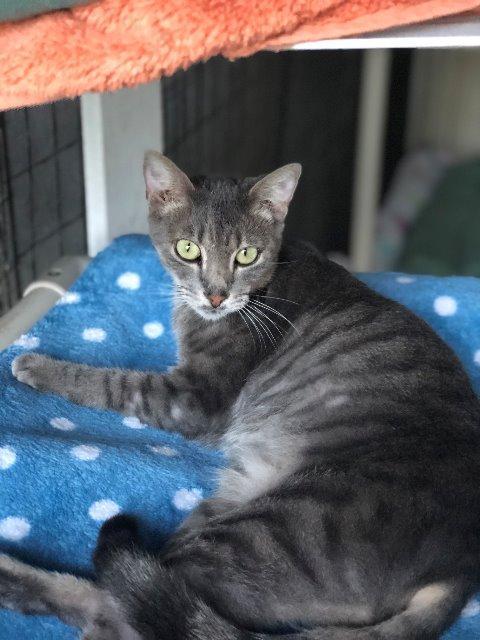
(64,469)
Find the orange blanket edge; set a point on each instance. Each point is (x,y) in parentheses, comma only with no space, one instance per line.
(113,44)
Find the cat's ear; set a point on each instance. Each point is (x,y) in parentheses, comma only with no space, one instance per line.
(272,194)
(166,185)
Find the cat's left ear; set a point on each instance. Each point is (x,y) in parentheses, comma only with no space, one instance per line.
(272,194)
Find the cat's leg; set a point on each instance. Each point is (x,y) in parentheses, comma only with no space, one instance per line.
(126,391)
(166,400)
(102,388)
(76,601)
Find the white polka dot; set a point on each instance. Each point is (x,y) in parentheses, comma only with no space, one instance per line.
(476,357)
(14,529)
(85,452)
(64,424)
(187,499)
(71,297)
(405,279)
(471,609)
(94,334)
(103,510)
(129,280)
(133,422)
(163,450)
(445,306)
(27,342)
(153,329)
(7,457)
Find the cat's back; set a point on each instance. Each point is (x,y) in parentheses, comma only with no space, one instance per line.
(355,367)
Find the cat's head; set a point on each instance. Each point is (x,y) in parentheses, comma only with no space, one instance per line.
(219,238)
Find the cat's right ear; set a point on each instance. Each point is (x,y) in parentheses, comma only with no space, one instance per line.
(167,187)
(272,193)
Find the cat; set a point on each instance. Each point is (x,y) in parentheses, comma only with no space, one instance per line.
(350,508)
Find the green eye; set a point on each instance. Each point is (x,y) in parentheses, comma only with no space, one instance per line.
(187,249)
(247,256)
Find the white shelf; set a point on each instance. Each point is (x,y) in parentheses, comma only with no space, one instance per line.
(453,32)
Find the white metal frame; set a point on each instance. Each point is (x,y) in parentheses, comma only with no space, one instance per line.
(117,129)
(369,157)
(450,32)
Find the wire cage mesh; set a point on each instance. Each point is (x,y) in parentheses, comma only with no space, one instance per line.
(8,279)
(252,115)
(42,197)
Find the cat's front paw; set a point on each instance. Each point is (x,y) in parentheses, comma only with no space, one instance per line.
(31,369)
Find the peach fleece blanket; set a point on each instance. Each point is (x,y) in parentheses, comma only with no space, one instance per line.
(111,44)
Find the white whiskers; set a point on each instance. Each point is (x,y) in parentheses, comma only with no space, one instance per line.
(240,312)
(254,322)
(264,326)
(260,295)
(264,315)
(269,308)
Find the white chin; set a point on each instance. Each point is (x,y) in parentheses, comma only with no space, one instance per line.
(212,314)
(209,313)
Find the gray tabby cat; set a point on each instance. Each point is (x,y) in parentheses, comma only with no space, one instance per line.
(351,505)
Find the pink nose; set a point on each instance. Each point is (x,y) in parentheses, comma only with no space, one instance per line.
(216,301)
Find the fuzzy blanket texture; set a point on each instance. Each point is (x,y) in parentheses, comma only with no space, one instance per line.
(64,469)
(111,44)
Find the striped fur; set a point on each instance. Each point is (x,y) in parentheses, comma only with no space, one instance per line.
(351,505)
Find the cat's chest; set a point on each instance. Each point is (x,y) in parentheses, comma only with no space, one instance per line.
(224,339)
